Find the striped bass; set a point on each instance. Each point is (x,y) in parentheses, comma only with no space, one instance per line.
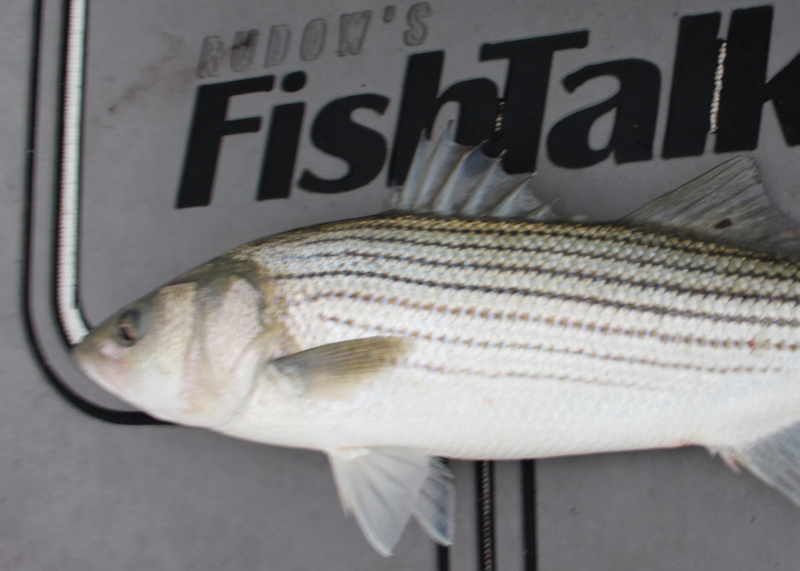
(467,322)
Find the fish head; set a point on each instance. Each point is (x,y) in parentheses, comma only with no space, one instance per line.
(190,351)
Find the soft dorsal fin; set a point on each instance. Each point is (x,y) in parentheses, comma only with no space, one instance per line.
(448,179)
(728,204)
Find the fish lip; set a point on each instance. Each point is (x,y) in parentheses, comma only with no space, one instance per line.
(86,366)
(80,356)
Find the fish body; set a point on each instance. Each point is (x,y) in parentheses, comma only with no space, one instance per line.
(531,339)
(468,323)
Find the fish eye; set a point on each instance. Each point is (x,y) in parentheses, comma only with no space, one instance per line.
(128,327)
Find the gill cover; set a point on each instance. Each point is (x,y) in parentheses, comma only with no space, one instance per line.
(190,351)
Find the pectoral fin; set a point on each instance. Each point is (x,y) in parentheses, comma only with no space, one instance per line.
(383,487)
(333,371)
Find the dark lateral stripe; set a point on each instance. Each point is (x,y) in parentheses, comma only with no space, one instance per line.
(563,322)
(589,232)
(542,348)
(699,262)
(440,369)
(701,254)
(716,317)
(666,238)
(571,273)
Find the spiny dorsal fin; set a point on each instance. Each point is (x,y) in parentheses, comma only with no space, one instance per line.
(443,160)
(448,179)
(726,204)
(404,198)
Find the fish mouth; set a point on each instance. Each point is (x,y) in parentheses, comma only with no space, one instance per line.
(86,359)
(87,365)
(79,356)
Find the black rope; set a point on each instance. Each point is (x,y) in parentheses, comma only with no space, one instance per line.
(529,532)
(484,487)
(52,377)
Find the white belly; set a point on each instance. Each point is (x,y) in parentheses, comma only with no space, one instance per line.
(530,409)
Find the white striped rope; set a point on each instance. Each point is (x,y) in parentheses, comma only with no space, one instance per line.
(69,314)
